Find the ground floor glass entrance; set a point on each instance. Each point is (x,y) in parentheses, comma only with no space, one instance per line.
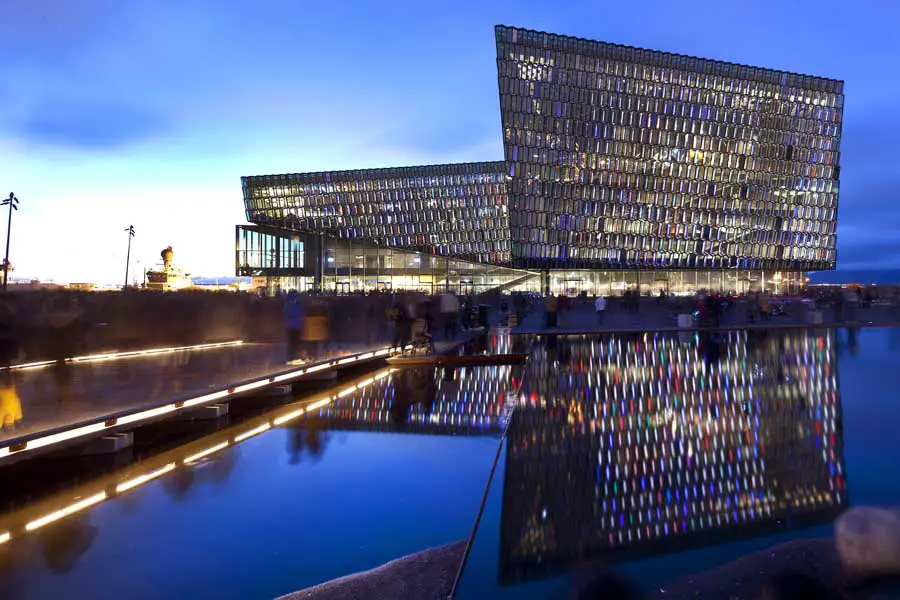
(679,283)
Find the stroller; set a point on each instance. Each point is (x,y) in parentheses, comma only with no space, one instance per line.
(421,337)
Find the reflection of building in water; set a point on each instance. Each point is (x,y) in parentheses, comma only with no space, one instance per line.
(639,444)
(470,400)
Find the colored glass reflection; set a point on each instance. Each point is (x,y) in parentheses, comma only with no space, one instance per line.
(620,157)
(464,400)
(631,445)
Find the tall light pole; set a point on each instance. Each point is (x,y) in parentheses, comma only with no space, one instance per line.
(13,203)
(130,231)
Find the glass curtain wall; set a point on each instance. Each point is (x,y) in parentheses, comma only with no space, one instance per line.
(678,283)
(350,267)
(264,252)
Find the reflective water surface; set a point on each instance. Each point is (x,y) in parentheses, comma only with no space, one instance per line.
(664,455)
(659,454)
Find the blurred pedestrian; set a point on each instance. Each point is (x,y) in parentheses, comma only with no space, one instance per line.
(550,306)
(449,313)
(293,324)
(600,308)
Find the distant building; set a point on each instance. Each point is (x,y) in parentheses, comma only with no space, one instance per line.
(624,168)
(168,277)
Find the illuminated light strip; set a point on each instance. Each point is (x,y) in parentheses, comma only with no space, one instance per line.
(206,398)
(252,432)
(142,479)
(147,477)
(62,436)
(349,359)
(125,354)
(287,376)
(151,413)
(289,417)
(145,414)
(205,453)
(65,512)
(254,385)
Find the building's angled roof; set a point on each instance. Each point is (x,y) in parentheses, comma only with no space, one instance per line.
(565,43)
(377,173)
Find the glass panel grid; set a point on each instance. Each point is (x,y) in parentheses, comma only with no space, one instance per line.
(455,210)
(626,158)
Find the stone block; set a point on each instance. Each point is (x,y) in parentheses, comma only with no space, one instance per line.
(108,444)
(206,413)
(868,541)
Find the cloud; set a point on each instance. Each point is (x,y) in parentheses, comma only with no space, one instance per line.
(89,124)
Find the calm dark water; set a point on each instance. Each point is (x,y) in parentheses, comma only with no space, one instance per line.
(606,437)
(549,518)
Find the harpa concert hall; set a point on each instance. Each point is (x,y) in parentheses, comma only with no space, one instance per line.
(623,168)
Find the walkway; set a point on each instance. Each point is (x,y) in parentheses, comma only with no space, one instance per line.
(581,318)
(48,399)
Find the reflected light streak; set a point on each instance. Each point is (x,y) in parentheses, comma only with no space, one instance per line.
(319,404)
(151,413)
(65,512)
(252,432)
(125,354)
(142,479)
(289,417)
(205,453)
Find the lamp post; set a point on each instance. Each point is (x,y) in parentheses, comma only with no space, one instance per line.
(130,231)
(13,204)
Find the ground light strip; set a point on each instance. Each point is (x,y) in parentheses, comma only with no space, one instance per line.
(152,413)
(139,480)
(89,358)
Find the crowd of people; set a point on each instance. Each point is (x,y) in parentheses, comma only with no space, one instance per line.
(48,325)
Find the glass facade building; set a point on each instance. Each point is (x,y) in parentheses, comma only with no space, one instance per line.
(661,171)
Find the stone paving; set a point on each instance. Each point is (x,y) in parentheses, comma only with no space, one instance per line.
(40,399)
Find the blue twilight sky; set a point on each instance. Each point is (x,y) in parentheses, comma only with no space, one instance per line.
(147,112)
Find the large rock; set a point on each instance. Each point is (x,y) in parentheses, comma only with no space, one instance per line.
(425,575)
(755,576)
(868,541)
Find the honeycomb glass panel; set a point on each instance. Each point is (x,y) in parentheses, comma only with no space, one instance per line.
(445,210)
(592,128)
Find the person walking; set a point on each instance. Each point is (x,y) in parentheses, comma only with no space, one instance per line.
(449,313)
(293,324)
(550,305)
(600,308)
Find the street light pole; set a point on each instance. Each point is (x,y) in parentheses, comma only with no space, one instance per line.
(130,231)
(13,203)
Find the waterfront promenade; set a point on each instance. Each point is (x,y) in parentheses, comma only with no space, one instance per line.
(655,315)
(53,400)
